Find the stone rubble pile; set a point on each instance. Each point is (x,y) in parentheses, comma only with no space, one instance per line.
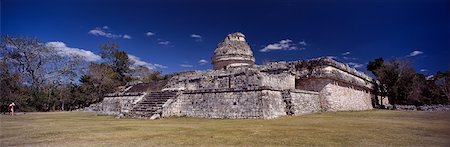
(423,108)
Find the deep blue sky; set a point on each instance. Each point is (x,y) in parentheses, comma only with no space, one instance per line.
(364,29)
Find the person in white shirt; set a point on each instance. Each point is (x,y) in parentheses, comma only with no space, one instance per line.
(11,108)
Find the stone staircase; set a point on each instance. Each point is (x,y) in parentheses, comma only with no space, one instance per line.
(151,104)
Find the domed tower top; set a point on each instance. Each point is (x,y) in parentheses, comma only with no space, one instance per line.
(233,51)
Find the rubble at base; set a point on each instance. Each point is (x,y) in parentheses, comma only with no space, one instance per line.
(422,108)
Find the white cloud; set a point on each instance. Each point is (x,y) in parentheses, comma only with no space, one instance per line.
(346,53)
(281,45)
(423,70)
(197,37)
(127,36)
(414,53)
(63,50)
(303,43)
(186,65)
(104,31)
(355,65)
(164,42)
(332,57)
(150,34)
(138,62)
(202,62)
(159,66)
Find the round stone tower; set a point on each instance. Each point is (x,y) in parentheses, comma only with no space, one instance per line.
(232,51)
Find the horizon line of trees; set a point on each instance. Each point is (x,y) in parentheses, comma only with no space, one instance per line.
(37,77)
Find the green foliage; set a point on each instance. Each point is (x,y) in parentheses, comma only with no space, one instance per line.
(118,60)
(402,85)
(375,65)
(36,78)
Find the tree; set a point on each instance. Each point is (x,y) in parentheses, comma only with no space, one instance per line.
(375,65)
(396,78)
(442,81)
(30,58)
(118,60)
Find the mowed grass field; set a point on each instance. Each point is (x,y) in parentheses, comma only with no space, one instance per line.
(366,128)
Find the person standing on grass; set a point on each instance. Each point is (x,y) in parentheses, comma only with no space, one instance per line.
(11,108)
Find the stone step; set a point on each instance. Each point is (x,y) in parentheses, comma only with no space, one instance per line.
(144,103)
(151,104)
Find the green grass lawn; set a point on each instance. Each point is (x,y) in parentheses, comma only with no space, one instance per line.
(373,128)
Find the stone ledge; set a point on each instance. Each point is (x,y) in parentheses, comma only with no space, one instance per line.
(260,88)
(124,94)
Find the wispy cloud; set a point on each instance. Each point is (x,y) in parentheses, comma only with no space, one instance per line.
(138,62)
(332,57)
(202,62)
(164,42)
(105,32)
(414,53)
(355,65)
(186,65)
(149,33)
(349,58)
(127,36)
(64,50)
(303,43)
(285,44)
(197,37)
(423,70)
(346,53)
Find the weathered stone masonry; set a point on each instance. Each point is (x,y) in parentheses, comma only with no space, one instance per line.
(238,88)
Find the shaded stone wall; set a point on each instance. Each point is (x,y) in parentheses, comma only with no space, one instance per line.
(337,95)
(312,84)
(305,102)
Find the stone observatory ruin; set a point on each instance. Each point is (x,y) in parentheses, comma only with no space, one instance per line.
(239,88)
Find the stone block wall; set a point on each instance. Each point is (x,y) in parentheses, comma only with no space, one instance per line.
(273,105)
(305,102)
(232,103)
(312,84)
(278,81)
(256,103)
(341,96)
(337,95)
(117,105)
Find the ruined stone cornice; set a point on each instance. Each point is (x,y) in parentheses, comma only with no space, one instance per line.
(326,61)
(313,64)
(259,88)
